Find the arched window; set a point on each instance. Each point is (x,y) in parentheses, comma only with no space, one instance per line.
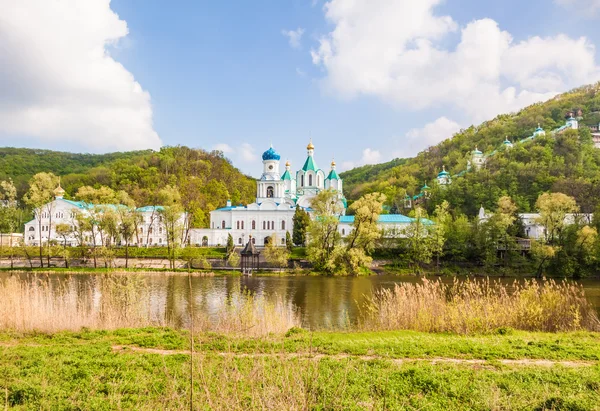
(253,225)
(240,240)
(272,225)
(242,225)
(160,240)
(266,240)
(150,230)
(254,241)
(283,224)
(141,230)
(159,230)
(31,228)
(237,225)
(302,181)
(310,180)
(282,241)
(223,224)
(264,225)
(205,241)
(270,193)
(343,231)
(318,181)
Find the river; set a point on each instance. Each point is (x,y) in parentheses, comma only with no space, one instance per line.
(323,302)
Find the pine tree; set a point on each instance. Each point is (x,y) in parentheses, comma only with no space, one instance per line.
(288,241)
(301,222)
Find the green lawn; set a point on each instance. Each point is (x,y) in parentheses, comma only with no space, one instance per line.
(303,370)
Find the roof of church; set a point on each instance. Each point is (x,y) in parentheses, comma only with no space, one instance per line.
(333,175)
(286,175)
(250,249)
(271,154)
(309,164)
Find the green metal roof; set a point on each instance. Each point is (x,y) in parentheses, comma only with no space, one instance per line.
(286,175)
(309,164)
(333,175)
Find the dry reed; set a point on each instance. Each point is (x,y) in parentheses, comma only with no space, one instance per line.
(480,306)
(117,301)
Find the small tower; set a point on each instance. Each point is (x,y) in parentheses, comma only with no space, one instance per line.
(333,181)
(507,143)
(270,185)
(572,123)
(425,191)
(443,177)
(59,192)
(477,159)
(539,131)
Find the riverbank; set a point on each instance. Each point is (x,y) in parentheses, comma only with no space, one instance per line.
(149,368)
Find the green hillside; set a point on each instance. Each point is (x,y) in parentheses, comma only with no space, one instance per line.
(206,180)
(565,162)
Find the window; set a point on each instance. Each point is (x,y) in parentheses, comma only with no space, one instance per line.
(31,228)
(343,231)
(302,181)
(310,180)
(237,225)
(282,241)
(223,224)
(272,225)
(318,180)
(264,225)
(141,230)
(160,240)
(159,230)
(254,241)
(253,225)
(270,192)
(150,230)
(240,240)
(283,225)
(242,225)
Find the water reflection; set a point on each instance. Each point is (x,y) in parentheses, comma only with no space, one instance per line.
(323,302)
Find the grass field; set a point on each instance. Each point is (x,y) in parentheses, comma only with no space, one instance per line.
(149,368)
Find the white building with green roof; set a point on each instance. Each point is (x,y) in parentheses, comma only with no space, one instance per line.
(277,196)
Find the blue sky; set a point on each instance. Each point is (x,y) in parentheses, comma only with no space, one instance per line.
(385,78)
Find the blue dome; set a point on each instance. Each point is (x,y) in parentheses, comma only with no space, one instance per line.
(271,154)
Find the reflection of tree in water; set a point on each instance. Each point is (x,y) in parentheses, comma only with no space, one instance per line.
(250,285)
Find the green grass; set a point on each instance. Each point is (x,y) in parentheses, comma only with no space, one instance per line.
(80,370)
(134,252)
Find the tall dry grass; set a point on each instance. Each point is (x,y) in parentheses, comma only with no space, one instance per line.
(118,301)
(39,304)
(480,306)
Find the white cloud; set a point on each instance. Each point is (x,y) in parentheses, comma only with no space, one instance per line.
(294,37)
(418,139)
(246,153)
(585,7)
(58,82)
(394,50)
(225,148)
(370,156)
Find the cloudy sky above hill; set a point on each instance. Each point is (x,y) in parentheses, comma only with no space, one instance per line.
(367,79)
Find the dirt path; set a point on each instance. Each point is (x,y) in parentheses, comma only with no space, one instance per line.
(399,361)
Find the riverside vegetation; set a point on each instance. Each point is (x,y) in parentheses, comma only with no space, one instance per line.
(253,354)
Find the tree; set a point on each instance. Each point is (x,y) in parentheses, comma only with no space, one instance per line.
(128,228)
(365,231)
(553,208)
(233,259)
(172,218)
(323,236)
(9,213)
(301,221)
(276,254)
(443,220)
(288,242)
(64,230)
(230,246)
(418,239)
(40,198)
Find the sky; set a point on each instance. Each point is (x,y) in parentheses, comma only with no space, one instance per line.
(367,80)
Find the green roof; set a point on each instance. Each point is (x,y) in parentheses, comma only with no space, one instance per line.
(309,164)
(286,175)
(333,175)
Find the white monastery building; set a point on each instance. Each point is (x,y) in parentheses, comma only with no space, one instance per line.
(150,229)
(277,196)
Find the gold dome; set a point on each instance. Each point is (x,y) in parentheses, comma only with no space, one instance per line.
(58,191)
(332,163)
(287,163)
(310,145)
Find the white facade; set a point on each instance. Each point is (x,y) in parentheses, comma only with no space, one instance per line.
(277,196)
(150,228)
(535,230)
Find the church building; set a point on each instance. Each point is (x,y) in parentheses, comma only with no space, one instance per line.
(277,196)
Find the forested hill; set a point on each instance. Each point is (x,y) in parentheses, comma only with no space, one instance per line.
(565,162)
(206,180)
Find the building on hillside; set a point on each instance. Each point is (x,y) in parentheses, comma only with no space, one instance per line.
(535,230)
(477,159)
(151,229)
(443,177)
(507,143)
